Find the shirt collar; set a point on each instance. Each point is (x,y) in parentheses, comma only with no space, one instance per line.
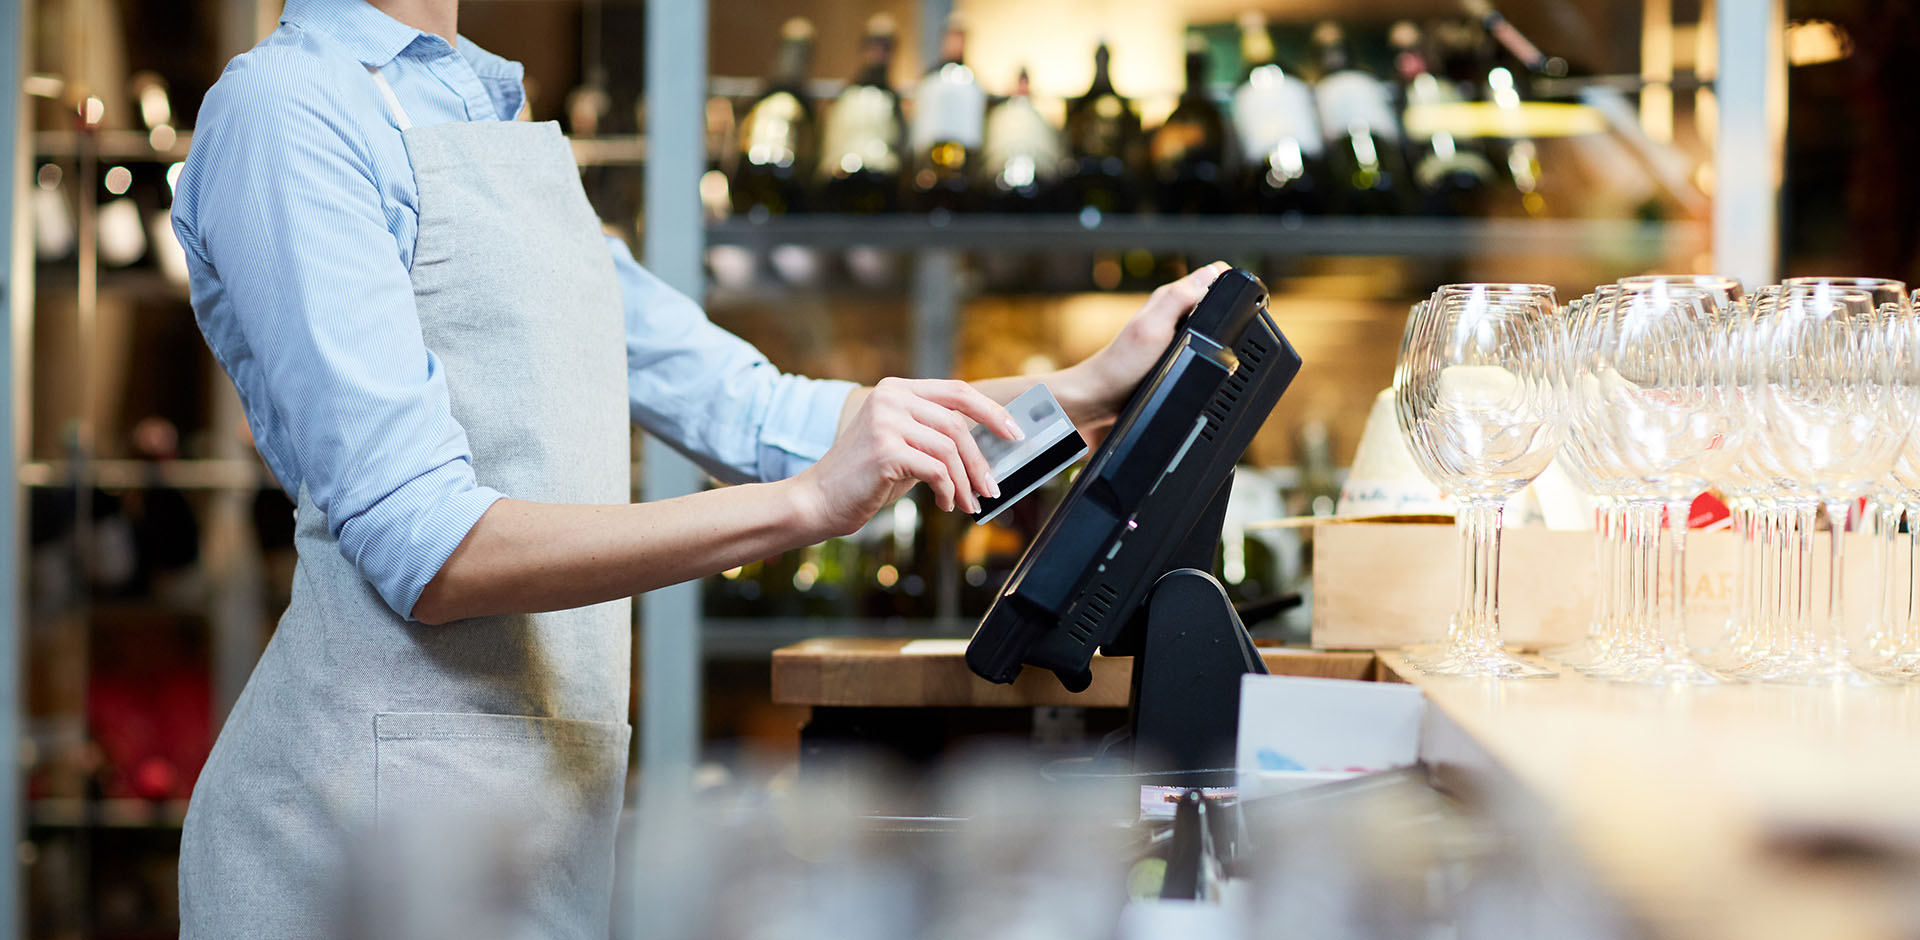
(372,36)
(487,65)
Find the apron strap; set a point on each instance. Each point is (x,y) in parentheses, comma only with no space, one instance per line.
(393,103)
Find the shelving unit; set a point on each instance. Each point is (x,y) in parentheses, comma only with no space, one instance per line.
(1222,235)
(1738,239)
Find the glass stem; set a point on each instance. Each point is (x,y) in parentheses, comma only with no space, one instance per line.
(1808,514)
(1484,521)
(1603,570)
(1674,639)
(1837,512)
(1911,637)
(1621,622)
(1741,608)
(1886,638)
(1460,629)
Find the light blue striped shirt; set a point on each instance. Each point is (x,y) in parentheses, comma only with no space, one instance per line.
(298,211)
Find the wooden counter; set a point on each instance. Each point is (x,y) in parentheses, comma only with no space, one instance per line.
(872,672)
(1734,811)
(1748,811)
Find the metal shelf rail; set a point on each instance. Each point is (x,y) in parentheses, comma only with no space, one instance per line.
(1223,235)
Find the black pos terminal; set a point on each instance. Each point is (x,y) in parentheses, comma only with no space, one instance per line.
(1122,565)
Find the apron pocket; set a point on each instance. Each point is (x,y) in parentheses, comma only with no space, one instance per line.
(495,825)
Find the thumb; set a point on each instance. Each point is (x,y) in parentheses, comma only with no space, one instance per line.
(1188,290)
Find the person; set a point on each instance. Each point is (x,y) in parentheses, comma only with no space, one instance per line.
(435,343)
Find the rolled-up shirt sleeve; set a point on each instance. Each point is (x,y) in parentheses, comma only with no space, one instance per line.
(710,394)
(312,314)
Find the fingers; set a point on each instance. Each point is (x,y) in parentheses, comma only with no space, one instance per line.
(931,418)
(969,401)
(954,489)
(920,465)
(949,424)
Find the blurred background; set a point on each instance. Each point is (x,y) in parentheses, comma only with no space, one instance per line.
(884,187)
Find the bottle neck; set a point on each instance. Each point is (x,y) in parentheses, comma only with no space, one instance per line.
(876,61)
(1102,78)
(953,48)
(1334,58)
(1256,50)
(790,65)
(1196,76)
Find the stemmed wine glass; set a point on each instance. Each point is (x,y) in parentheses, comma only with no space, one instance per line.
(1593,468)
(1833,413)
(1482,403)
(1653,369)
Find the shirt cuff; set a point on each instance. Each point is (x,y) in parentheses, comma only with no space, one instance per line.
(801,425)
(402,541)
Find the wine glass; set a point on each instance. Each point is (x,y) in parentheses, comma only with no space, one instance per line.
(1592,467)
(1481,400)
(1833,418)
(1656,372)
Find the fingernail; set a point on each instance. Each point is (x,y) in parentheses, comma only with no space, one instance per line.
(1014,429)
(993,488)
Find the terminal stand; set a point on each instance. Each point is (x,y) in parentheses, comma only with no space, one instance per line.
(1189,651)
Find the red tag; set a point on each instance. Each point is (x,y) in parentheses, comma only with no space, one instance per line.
(1709,513)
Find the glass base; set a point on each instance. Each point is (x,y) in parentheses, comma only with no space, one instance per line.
(1625,658)
(1897,667)
(1822,671)
(1484,663)
(1580,655)
(1670,672)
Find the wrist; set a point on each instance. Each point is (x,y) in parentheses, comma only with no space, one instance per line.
(1087,392)
(806,513)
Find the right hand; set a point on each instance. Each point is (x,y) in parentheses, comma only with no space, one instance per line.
(903,432)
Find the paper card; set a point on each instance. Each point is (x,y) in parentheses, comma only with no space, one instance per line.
(1312,728)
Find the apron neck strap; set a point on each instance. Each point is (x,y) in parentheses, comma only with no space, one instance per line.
(393,103)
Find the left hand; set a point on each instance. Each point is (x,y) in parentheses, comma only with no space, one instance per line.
(1105,379)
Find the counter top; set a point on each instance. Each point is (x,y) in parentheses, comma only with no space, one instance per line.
(1750,811)
(874,672)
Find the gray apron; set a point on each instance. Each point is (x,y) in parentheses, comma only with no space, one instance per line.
(381,777)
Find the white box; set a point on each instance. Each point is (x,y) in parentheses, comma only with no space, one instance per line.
(1298,732)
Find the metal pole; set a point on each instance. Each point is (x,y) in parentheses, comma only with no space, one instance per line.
(16,310)
(1750,140)
(675,241)
(936,318)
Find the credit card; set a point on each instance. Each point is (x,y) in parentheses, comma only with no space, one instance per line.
(1052,444)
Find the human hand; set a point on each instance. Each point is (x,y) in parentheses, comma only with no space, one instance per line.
(902,432)
(1101,382)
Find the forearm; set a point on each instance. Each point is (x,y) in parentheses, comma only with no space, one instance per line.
(523,556)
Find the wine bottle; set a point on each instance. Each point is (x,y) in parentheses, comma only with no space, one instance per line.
(1103,138)
(1023,154)
(778,134)
(1278,130)
(949,115)
(1367,173)
(1189,150)
(1451,175)
(1520,155)
(1513,41)
(860,144)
